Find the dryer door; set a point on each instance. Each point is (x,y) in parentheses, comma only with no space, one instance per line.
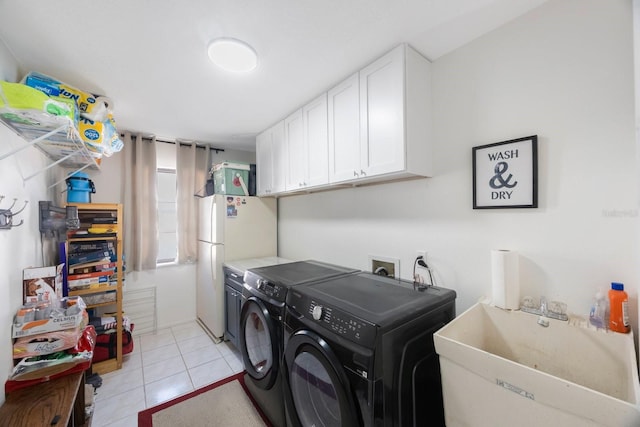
(318,389)
(259,340)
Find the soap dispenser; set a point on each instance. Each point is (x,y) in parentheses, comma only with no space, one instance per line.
(599,311)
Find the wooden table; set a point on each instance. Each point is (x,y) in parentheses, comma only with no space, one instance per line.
(40,404)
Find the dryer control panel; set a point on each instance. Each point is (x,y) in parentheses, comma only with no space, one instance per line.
(272,290)
(335,320)
(266,287)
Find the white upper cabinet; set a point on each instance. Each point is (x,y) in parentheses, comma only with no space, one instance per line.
(270,161)
(296,152)
(279,158)
(343,105)
(316,142)
(380,120)
(382,145)
(306,146)
(374,126)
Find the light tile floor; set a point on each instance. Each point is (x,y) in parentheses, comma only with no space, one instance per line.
(162,366)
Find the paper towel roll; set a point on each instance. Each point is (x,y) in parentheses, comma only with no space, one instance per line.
(505,279)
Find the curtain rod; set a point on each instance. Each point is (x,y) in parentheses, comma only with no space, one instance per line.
(184,144)
(168,141)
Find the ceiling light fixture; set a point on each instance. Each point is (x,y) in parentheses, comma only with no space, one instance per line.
(232,55)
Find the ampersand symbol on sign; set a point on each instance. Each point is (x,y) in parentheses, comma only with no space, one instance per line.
(498,181)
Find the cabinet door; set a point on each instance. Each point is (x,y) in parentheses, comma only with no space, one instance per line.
(278,157)
(238,310)
(343,107)
(296,153)
(231,311)
(382,138)
(316,141)
(264,163)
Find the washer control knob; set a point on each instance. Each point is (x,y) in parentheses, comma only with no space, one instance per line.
(261,284)
(317,312)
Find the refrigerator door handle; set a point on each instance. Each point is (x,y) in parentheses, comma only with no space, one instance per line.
(212,265)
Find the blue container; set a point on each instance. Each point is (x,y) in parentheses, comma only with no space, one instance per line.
(79,188)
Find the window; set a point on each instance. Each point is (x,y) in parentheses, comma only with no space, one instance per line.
(167,216)
(176,170)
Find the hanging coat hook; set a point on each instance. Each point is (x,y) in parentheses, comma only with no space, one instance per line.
(23,206)
(12,205)
(6,216)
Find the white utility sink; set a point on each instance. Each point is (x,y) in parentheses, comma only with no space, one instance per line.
(501,368)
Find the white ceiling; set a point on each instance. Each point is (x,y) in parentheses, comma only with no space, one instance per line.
(150,57)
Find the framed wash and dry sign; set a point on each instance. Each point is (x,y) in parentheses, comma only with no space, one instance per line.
(505,174)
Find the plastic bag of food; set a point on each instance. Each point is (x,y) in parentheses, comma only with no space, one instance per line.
(45,367)
(100,137)
(30,104)
(46,343)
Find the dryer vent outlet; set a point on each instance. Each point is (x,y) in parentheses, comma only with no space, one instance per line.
(383,267)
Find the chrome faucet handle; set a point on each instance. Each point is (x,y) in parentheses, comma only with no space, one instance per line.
(553,309)
(528,305)
(528,302)
(557,307)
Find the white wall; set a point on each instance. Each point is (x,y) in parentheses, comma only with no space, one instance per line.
(564,72)
(20,247)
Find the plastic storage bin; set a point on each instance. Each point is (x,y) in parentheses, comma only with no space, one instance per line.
(79,188)
(231,178)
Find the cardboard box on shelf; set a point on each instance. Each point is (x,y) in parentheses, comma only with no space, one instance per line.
(51,324)
(42,284)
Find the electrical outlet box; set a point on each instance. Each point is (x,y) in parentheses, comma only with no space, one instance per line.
(384,266)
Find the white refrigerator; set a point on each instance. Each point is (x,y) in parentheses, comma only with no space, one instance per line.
(230,228)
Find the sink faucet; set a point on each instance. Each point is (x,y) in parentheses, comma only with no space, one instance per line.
(543,306)
(554,309)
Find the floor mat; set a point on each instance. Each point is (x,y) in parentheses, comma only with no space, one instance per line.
(224,403)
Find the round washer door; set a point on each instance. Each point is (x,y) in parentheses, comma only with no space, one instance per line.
(318,389)
(259,343)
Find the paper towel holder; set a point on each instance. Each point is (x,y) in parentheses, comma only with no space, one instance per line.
(505,279)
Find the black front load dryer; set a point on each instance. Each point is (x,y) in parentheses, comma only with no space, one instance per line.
(359,352)
(260,330)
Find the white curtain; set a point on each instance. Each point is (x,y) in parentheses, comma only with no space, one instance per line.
(140,203)
(191,172)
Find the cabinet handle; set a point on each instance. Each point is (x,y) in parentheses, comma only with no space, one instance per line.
(355,173)
(362,173)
